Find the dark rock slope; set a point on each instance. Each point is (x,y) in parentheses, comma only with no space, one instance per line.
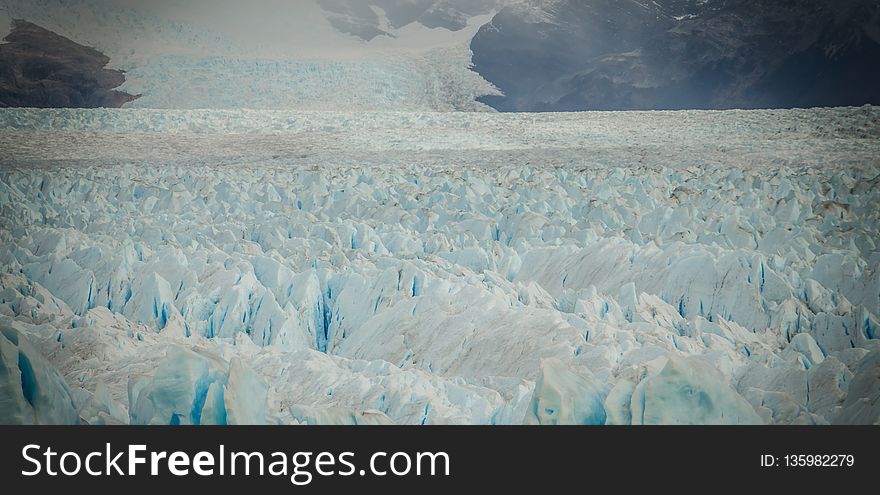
(677,54)
(41,69)
(359,17)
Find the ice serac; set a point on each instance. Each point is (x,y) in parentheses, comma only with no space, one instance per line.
(566,396)
(804,348)
(191,388)
(689,391)
(152,302)
(175,394)
(245,399)
(20,297)
(99,408)
(862,404)
(31,389)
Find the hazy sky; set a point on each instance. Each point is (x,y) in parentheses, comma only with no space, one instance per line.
(254,28)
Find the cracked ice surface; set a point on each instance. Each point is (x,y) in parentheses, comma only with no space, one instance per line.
(619,268)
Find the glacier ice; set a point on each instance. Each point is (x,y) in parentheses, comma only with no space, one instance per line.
(99,408)
(689,391)
(187,388)
(245,395)
(31,389)
(566,396)
(176,394)
(861,405)
(239,267)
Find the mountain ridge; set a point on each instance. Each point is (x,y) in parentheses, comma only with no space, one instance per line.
(603,55)
(39,68)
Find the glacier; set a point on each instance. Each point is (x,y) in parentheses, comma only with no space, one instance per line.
(270,55)
(295,267)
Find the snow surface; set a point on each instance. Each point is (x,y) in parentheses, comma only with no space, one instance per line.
(427,268)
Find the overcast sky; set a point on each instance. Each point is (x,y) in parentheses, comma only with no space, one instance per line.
(253,28)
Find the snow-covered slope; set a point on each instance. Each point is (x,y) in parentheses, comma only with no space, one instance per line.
(296,267)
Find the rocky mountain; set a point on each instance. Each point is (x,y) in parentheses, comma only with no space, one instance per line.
(39,68)
(617,55)
(366,20)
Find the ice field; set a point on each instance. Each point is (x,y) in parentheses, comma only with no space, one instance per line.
(229,267)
